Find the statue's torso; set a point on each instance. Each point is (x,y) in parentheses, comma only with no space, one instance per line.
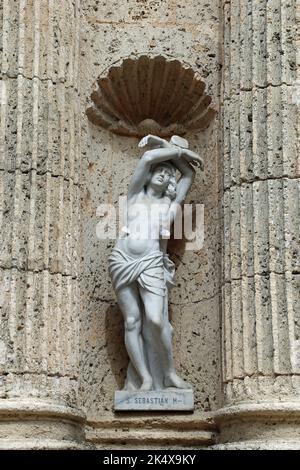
(146,218)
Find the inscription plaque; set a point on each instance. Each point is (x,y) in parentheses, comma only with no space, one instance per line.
(164,400)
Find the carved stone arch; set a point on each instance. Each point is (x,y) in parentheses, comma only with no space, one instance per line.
(150,94)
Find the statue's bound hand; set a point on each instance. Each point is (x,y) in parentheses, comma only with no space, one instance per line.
(193,158)
(153,140)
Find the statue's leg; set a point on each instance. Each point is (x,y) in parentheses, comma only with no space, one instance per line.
(128,299)
(156,317)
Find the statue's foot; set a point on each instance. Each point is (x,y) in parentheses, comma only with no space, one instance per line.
(173,380)
(128,387)
(146,385)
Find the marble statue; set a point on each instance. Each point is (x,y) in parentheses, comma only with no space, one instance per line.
(141,271)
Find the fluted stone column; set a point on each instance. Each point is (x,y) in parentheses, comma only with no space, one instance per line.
(39,215)
(261,309)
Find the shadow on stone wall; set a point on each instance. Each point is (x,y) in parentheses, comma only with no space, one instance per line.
(116,351)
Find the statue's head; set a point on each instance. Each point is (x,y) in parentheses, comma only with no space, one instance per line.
(161,175)
(171,190)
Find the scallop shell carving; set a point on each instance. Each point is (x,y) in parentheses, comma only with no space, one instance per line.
(151,95)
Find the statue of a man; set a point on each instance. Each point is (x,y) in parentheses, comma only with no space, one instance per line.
(139,266)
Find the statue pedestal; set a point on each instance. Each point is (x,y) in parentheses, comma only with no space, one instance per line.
(159,400)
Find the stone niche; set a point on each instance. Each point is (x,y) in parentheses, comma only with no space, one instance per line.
(135,96)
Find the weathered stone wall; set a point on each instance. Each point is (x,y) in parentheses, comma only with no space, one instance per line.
(261,199)
(40,208)
(261,222)
(190,33)
(61,333)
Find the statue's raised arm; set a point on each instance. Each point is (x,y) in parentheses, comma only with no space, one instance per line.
(149,158)
(139,266)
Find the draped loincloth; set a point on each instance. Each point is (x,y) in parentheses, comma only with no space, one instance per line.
(154,271)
